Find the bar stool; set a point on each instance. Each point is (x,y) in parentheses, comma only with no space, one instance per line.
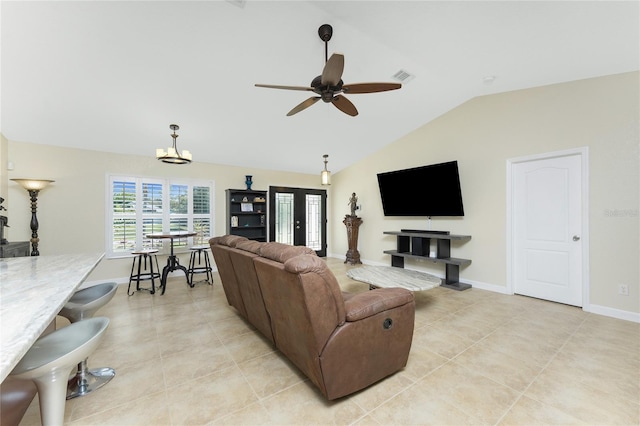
(199,252)
(16,395)
(49,360)
(83,305)
(146,273)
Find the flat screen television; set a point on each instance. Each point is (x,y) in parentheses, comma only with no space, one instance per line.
(432,190)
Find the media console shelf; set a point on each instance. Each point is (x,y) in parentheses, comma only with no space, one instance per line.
(416,245)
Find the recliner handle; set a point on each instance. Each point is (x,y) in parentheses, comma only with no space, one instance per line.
(387,323)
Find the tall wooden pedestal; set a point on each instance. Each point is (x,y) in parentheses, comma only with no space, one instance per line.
(352,223)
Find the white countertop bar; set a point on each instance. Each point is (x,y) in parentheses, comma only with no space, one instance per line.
(32,292)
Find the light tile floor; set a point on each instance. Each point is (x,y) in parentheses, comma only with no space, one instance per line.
(187,358)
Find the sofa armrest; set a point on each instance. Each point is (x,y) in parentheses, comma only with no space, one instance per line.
(366,304)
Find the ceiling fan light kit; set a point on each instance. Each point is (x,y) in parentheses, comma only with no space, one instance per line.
(172,155)
(329,85)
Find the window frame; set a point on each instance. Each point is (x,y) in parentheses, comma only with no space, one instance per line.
(166,216)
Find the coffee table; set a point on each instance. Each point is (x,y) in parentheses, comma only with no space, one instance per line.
(389,276)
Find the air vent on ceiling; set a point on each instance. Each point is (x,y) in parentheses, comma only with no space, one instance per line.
(403,76)
(239,3)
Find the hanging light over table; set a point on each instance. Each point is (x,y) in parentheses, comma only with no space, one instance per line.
(172,155)
(325,175)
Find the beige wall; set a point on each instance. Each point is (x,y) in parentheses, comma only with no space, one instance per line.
(482,134)
(4,186)
(71,211)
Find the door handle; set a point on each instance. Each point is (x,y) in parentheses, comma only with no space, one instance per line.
(576,238)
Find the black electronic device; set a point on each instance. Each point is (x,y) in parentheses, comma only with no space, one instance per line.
(432,190)
(425,231)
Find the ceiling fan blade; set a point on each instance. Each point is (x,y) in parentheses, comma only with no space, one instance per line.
(345,105)
(370,87)
(332,72)
(273,86)
(303,105)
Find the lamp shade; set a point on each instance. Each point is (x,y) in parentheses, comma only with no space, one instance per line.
(33,184)
(325,175)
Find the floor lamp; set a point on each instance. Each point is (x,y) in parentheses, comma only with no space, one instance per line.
(34,186)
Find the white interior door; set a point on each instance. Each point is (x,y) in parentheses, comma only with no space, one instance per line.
(547,224)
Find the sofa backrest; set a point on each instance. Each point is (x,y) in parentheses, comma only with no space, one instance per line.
(242,260)
(220,247)
(305,305)
(281,252)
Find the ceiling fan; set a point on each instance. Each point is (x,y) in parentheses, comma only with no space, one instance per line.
(329,86)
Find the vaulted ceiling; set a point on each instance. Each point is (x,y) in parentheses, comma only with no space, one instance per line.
(113,75)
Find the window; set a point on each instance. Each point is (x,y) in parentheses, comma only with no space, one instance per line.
(140,206)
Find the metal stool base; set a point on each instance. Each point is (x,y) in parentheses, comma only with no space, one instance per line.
(84,382)
(147,274)
(193,269)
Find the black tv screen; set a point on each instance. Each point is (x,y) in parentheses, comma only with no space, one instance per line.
(432,190)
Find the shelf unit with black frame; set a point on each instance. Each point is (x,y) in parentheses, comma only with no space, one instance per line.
(413,244)
(247,213)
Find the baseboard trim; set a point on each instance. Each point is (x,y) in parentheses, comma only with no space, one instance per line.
(613,313)
(594,309)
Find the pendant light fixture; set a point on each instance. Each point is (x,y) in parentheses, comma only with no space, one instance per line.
(325,175)
(172,155)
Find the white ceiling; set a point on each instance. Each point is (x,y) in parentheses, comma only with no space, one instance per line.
(112,75)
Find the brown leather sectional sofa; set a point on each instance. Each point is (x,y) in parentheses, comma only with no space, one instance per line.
(342,342)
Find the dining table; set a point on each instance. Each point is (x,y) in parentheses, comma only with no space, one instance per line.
(173,263)
(33,289)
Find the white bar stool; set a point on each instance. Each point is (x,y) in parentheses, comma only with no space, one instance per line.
(51,358)
(82,305)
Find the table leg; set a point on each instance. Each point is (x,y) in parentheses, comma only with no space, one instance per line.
(173,264)
(163,278)
(177,265)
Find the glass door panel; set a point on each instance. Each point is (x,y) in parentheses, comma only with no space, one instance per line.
(298,217)
(284,218)
(313,205)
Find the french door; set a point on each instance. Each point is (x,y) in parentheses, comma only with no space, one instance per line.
(298,216)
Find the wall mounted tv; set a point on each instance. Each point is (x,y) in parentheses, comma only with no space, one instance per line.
(432,190)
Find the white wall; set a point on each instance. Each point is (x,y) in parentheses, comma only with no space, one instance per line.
(71,211)
(482,134)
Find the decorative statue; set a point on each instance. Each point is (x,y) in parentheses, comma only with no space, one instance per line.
(3,222)
(248,181)
(353,203)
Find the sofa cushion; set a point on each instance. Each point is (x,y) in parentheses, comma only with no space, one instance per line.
(363,305)
(227,274)
(282,252)
(250,246)
(312,264)
(249,288)
(227,240)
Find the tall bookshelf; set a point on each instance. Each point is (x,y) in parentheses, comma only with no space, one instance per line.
(247,213)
